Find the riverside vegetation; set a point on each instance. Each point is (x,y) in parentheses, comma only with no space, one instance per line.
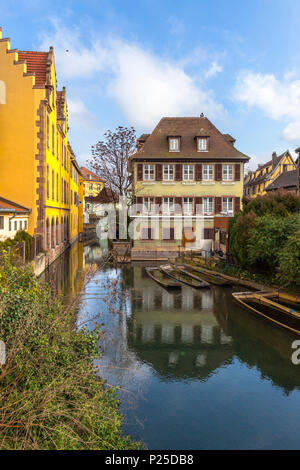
(265,239)
(51,396)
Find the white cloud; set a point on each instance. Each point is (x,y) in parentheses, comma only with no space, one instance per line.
(144,85)
(277,99)
(213,70)
(147,87)
(74,59)
(80,117)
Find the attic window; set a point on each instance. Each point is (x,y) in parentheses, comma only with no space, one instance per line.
(202,144)
(174,144)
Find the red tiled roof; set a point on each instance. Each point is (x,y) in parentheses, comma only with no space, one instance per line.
(37,64)
(85,172)
(13,206)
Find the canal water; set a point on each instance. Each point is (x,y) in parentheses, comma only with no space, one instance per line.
(194,370)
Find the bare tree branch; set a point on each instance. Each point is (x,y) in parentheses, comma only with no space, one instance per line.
(110,158)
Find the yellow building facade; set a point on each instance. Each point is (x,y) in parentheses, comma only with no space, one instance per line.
(92,184)
(256,182)
(37,165)
(185,175)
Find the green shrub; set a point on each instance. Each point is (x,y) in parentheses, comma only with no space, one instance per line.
(267,238)
(279,204)
(289,261)
(240,231)
(51,396)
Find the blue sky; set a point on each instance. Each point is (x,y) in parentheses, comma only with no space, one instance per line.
(132,62)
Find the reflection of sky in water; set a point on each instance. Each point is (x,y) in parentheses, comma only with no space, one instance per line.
(194,370)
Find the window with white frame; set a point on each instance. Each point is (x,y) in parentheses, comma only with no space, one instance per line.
(208,205)
(168,172)
(148,172)
(188,172)
(201,144)
(168,205)
(174,144)
(149,205)
(227,172)
(188,206)
(227,205)
(208,172)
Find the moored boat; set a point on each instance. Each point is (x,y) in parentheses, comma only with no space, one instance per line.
(212,278)
(279,314)
(172,271)
(162,278)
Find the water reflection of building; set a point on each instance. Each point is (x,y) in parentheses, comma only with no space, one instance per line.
(65,275)
(177,332)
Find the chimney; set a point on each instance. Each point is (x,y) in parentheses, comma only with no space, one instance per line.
(274,159)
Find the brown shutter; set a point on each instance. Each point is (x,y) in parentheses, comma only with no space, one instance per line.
(237,172)
(237,205)
(178,172)
(198,172)
(198,202)
(158,203)
(218,205)
(139,203)
(140,172)
(218,172)
(171,233)
(178,205)
(158,172)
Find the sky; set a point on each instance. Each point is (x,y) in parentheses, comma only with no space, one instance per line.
(132,62)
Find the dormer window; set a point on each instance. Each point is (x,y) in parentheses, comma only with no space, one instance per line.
(202,144)
(174,144)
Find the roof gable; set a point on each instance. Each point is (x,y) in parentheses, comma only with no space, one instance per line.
(37,64)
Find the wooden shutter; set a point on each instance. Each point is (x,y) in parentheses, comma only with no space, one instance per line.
(139,202)
(172,233)
(198,202)
(237,205)
(198,172)
(158,203)
(218,172)
(237,172)
(140,172)
(158,172)
(178,172)
(218,205)
(178,205)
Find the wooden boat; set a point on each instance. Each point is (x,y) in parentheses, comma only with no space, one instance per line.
(212,278)
(182,277)
(279,314)
(282,297)
(163,279)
